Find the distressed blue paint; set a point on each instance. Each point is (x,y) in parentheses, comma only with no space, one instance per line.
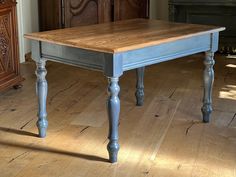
(165,52)
(127,60)
(208,84)
(73,56)
(140,86)
(36,48)
(113,109)
(214,42)
(113,66)
(41,91)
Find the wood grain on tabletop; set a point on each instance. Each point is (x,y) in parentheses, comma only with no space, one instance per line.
(122,36)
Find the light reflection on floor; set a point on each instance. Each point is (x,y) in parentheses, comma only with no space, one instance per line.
(231,65)
(228,92)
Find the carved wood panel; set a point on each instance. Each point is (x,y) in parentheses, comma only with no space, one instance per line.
(128,9)
(82,12)
(86,12)
(3,2)
(56,14)
(9,57)
(6,55)
(50,14)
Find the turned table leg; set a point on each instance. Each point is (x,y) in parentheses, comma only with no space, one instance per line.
(113,107)
(140,86)
(208,84)
(41,91)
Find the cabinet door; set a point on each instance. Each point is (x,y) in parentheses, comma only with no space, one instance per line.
(50,14)
(86,12)
(128,9)
(9,58)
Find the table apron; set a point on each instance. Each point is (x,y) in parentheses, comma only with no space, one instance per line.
(73,56)
(115,64)
(167,51)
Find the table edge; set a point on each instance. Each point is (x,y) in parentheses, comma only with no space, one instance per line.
(127,48)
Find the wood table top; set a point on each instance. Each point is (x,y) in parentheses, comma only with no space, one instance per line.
(122,36)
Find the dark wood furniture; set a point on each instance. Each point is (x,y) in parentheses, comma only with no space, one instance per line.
(9,56)
(215,12)
(56,14)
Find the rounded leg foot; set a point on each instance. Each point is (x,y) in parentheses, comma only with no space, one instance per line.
(42,128)
(113,148)
(206,118)
(42,132)
(206,113)
(140,100)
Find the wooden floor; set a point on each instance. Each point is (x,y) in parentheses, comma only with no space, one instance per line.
(164,138)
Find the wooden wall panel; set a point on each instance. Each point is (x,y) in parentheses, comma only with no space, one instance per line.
(56,14)
(84,12)
(50,14)
(128,9)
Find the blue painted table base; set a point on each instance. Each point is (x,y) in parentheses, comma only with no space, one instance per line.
(208,84)
(140,86)
(41,91)
(113,66)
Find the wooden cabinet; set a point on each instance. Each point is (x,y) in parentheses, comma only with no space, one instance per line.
(128,9)
(9,57)
(86,12)
(56,14)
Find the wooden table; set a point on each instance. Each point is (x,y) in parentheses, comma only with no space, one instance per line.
(114,48)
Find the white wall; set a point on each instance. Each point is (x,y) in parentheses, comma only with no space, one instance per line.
(159,9)
(27,11)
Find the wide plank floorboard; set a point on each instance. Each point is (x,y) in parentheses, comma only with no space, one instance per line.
(164,138)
